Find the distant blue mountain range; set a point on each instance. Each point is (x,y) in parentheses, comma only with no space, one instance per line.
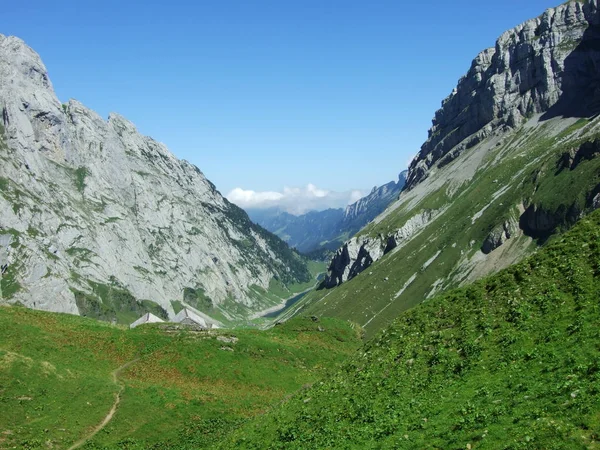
(317,233)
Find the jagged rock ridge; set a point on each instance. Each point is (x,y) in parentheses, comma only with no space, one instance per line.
(546,65)
(89,203)
(367,208)
(360,252)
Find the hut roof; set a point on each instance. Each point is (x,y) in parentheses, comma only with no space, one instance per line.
(146,318)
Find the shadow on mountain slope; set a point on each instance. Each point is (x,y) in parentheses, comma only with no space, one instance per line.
(580,79)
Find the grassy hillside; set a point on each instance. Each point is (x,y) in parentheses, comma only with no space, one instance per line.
(510,362)
(182,387)
(490,184)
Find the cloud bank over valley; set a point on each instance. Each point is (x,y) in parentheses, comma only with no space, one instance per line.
(294,200)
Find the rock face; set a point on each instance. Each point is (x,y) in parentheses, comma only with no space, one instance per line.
(586,151)
(355,256)
(317,232)
(360,252)
(546,65)
(370,206)
(540,223)
(499,236)
(88,203)
(596,201)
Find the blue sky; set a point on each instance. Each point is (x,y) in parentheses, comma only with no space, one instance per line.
(263,95)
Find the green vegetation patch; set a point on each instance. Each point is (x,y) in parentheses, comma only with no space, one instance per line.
(183,390)
(177,305)
(9,283)
(11,192)
(114,303)
(4,184)
(556,189)
(55,376)
(3,145)
(33,232)
(80,175)
(198,299)
(78,252)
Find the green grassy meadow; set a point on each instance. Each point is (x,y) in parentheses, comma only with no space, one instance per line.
(186,388)
(509,362)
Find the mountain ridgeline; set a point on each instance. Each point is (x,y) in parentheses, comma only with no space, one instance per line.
(319,233)
(101,221)
(545,66)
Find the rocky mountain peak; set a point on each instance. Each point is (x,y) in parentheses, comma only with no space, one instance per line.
(545,65)
(121,124)
(91,205)
(25,61)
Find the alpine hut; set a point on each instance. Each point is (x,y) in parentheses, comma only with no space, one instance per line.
(146,318)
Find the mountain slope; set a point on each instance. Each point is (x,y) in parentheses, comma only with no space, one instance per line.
(97,216)
(473,207)
(511,362)
(318,232)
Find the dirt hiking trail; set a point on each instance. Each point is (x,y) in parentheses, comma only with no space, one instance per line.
(115,377)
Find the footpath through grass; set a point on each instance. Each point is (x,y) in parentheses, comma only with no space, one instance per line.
(187,389)
(511,362)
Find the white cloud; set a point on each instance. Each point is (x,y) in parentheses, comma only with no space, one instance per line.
(355,196)
(239,196)
(294,200)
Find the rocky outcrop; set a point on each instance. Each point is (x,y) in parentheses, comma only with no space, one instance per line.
(370,206)
(90,202)
(410,228)
(360,252)
(539,223)
(586,151)
(499,235)
(355,256)
(545,65)
(596,201)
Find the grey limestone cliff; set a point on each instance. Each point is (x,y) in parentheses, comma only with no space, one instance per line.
(88,202)
(360,252)
(546,65)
